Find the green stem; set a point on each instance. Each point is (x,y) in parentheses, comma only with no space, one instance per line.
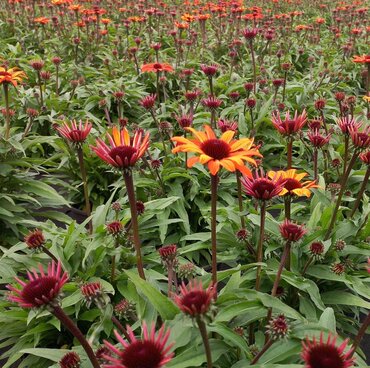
(308,263)
(207,348)
(127,175)
(340,194)
(260,244)
(7,118)
(214,183)
(361,192)
(283,260)
(84,181)
(51,255)
(70,325)
(240,199)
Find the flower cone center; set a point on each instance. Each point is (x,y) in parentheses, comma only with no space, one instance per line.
(37,290)
(125,153)
(325,357)
(292,184)
(142,354)
(216,148)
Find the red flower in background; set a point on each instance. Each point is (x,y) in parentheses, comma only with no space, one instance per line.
(41,289)
(151,351)
(123,152)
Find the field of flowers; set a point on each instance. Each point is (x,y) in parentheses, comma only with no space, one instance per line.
(184,183)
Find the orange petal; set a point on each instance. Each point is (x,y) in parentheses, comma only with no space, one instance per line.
(214,166)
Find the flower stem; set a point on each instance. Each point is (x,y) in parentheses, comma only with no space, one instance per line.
(70,325)
(207,348)
(263,351)
(340,194)
(287,205)
(289,152)
(345,157)
(253,66)
(51,255)
(240,199)
(127,175)
(119,326)
(315,163)
(214,183)
(361,192)
(308,263)
(7,118)
(170,280)
(40,88)
(260,244)
(360,334)
(84,181)
(283,260)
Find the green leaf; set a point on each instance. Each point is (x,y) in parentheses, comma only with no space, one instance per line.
(195,356)
(226,314)
(161,303)
(327,319)
(344,298)
(52,354)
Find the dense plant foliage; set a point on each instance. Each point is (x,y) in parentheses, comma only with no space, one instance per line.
(193,173)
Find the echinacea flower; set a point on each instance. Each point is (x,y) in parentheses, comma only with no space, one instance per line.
(168,253)
(365,157)
(35,239)
(317,139)
(364,59)
(288,125)
(74,133)
(193,299)
(70,360)
(348,123)
(123,152)
(115,228)
(360,139)
(262,187)
(151,351)
(325,354)
(157,67)
(40,289)
(278,327)
(293,184)
(316,250)
(91,291)
(291,231)
(225,151)
(11,76)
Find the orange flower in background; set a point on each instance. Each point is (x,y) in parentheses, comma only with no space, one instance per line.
(218,152)
(42,20)
(12,75)
(362,59)
(293,184)
(157,67)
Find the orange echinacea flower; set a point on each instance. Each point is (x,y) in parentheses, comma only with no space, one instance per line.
(216,152)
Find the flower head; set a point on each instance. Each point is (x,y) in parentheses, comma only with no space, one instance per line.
(115,228)
(70,360)
(348,123)
(123,151)
(291,231)
(148,102)
(212,103)
(225,125)
(74,133)
(35,239)
(91,291)
(364,59)
(278,327)
(168,254)
(289,126)
(11,76)
(40,289)
(185,120)
(157,67)
(365,157)
(317,250)
(209,70)
(193,299)
(262,187)
(317,139)
(225,151)
(151,351)
(293,184)
(325,354)
(124,308)
(360,139)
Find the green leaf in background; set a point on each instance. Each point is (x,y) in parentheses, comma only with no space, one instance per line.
(161,303)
